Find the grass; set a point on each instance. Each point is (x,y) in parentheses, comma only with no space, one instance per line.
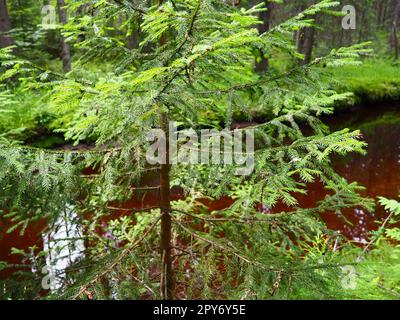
(373,81)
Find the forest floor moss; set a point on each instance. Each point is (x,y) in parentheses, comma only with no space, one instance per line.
(373,81)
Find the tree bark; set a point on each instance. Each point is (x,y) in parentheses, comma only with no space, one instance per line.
(133,40)
(308,44)
(65,49)
(265,17)
(305,39)
(394,31)
(300,34)
(167,285)
(167,274)
(5,26)
(305,43)
(379,12)
(385,13)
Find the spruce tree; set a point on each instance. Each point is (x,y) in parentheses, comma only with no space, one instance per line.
(196,59)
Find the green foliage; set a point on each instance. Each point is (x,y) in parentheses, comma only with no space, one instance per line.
(375,80)
(195,56)
(378,275)
(391,205)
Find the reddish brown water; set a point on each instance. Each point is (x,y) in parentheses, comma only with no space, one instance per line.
(378,171)
(31,238)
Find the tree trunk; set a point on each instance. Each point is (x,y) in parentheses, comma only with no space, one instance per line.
(363,25)
(5,26)
(300,34)
(385,13)
(167,274)
(305,43)
(265,17)
(305,38)
(394,30)
(309,44)
(65,49)
(133,40)
(167,285)
(379,12)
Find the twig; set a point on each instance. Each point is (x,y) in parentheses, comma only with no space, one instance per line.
(385,222)
(118,260)
(133,210)
(213,243)
(242,220)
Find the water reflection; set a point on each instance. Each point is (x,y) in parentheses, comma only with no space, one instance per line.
(379,170)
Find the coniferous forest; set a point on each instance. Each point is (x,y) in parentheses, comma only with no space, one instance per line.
(199,149)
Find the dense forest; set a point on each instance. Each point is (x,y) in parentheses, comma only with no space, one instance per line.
(199,149)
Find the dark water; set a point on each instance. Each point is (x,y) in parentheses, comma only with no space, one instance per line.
(378,171)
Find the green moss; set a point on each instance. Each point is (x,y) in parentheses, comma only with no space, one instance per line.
(373,81)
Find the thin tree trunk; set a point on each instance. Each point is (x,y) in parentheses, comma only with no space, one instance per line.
(133,40)
(300,34)
(65,49)
(305,39)
(394,31)
(379,12)
(309,44)
(385,13)
(362,24)
(265,17)
(5,26)
(167,285)
(300,40)
(167,274)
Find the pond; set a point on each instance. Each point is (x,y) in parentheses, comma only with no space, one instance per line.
(378,171)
